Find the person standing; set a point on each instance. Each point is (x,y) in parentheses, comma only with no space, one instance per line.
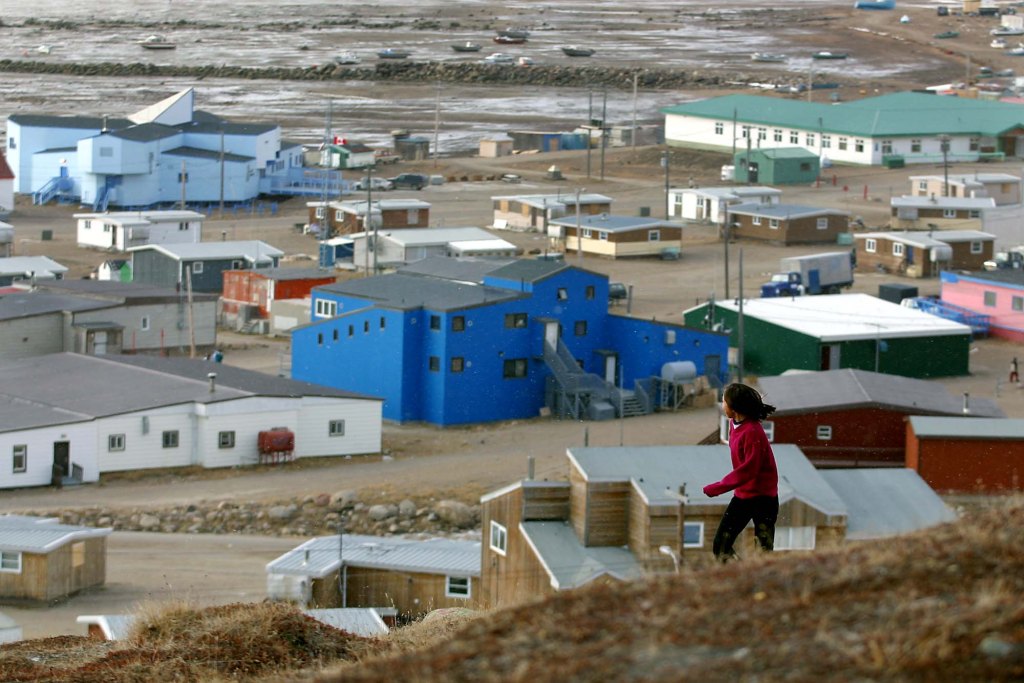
(754,477)
(1014,377)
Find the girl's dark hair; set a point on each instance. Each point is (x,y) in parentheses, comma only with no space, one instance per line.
(747,402)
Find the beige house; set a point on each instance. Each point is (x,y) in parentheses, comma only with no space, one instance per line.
(1004,189)
(491,148)
(619,236)
(621,515)
(938,212)
(923,253)
(533,212)
(43,561)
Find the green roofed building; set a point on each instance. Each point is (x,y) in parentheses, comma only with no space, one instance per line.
(780,166)
(902,128)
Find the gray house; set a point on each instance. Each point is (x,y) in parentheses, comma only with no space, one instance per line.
(173,265)
(15,268)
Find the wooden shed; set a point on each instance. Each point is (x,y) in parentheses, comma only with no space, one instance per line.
(43,561)
(968,455)
(923,253)
(491,148)
(788,223)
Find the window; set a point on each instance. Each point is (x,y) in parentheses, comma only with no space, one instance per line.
(870,246)
(915,146)
(499,538)
(769,429)
(745,132)
(794,538)
(693,534)
(514,368)
(858,145)
(580,328)
(777,134)
(755,220)
(810,139)
(11,143)
(773,223)
(10,561)
(458,364)
(922,185)
(563,294)
(170,438)
(762,133)
(351,330)
(897,249)
(383,324)
(197,267)
(236,264)
(319,212)
(457,587)
(115,442)
(976,247)
(973,144)
(336,428)
(602,235)
(587,233)
(844,143)
(183,227)
(106,151)
(654,235)
(325,308)
(824,432)
(1017,303)
(366,326)
(590,292)
(435,322)
(334,334)
(86,224)
(823,223)
(144,325)
(990,299)
(434,364)
(106,227)
(974,213)
(226,439)
(339,216)
(320,339)
(826,141)
(719,128)
(78,554)
(459,323)
(19,460)
(515,320)
(794,137)
(949,213)
(886,146)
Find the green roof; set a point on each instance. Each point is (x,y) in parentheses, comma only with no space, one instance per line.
(787,153)
(895,115)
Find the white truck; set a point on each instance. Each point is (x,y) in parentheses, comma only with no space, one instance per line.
(813,274)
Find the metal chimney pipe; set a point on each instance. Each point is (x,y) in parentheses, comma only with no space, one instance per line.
(212,376)
(967,408)
(529,467)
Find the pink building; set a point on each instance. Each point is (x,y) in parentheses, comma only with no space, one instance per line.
(998,294)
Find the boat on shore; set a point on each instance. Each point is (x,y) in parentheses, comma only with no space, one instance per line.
(874,4)
(508,40)
(1007,31)
(467,46)
(515,33)
(826,54)
(577,51)
(947,34)
(156,42)
(767,57)
(393,53)
(346,58)
(998,43)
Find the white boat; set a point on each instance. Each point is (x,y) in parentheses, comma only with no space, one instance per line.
(1006,31)
(500,58)
(393,53)
(156,42)
(767,57)
(1016,52)
(346,58)
(998,43)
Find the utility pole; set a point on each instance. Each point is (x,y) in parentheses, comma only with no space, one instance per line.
(437,121)
(579,232)
(183,180)
(324,233)
(634,136)
(665,165)
(590,123)
(739,326)
(222,171)
(725,240)
(604,127)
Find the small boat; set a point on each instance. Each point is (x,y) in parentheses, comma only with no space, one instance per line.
(467,47)
(947,34)
(500,58)
(508,40)
(825,54)
(392,53)
(155,42)
(515,33)
(1016,52)
(44,49)
(1005,73)
(347,58)
(767,57)
(577,51)
(998,43)
(1006,31)
(874,4)
(525,61)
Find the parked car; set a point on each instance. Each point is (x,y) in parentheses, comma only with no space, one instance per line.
(409,181)
(376,184)
(500,58)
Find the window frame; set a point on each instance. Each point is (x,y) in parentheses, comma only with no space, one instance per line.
(9,557)
(822,223)
(226,439)
(579,328)
(990,299)
(434,363)
(514,368)
(949,213)
(977,247)
(654,235)
(462,593)
(170,438)
(516,321)
(116,442)
(700,534)
(719,128)
(197,267)
(784,538)
(458,323)
(335,428)
(870,245)
(897,249)
(498,538)
(823,432)
(16,455)
(457,364)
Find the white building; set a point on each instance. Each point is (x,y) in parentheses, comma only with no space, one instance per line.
(16,268)
(6,187)
(91,415)
(399,247)
(707,204)
(123,229)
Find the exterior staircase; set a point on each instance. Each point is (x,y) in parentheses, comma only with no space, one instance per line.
(583,394)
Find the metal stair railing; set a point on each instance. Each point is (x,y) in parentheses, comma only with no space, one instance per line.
(47,191)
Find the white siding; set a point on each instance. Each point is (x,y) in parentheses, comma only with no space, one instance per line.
(39,463)
(362,426)
(146,451)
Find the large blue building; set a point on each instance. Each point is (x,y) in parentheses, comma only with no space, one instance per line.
(144,159)
(457,341)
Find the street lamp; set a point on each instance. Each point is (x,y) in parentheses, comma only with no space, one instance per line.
(665,165)
(667,550)
(944,146)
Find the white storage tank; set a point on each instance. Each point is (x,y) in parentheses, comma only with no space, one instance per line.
(679,371)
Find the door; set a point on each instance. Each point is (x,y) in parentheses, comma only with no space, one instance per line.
(99,343)
(829,357)
(610,373)
(712,368)
(910,255)
(551,334)
(62,456)
(753,171)
(813,281)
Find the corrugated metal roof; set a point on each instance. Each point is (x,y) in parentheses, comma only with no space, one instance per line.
(787,153)
(893,115)
(659,471)
(167,216)
(21,533)
(247,249)
(970,178)
(812,392)
(974,203)
(784,210)
(613,223)
(885,502)
(551,201)
(925,239)
(319,557)
(930,427)
(428,236)
(569,563)
(359,207)
(732,192)
(360,621)
(843,317)
(46,121)
(408,292)
(20,265)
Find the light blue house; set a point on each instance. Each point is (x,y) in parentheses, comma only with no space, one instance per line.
(149,157)
(457,341)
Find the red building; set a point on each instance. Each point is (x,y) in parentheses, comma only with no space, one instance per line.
(967,455)
(856,418)
(257,288)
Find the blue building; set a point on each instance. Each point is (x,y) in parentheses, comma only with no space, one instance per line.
(458,341)
(143,160)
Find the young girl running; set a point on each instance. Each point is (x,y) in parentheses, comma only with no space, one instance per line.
(754,477)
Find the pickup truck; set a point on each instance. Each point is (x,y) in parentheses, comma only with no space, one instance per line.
(1012,258)
(814,274)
